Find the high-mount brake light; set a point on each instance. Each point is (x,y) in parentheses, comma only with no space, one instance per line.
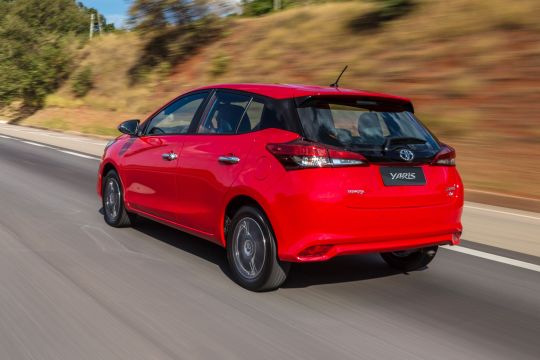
(304,155)
(445,157)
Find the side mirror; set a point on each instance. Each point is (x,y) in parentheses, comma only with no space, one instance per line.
(129,127)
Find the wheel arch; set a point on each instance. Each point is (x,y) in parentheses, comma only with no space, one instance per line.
(108,167)
(233,205)
(104,169)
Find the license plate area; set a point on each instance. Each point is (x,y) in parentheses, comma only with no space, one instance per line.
(402,176)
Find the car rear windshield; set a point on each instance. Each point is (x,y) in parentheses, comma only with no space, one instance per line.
(372,128)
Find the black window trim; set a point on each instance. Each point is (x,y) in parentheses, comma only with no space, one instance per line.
(405,105)
(266,100)
(207,104)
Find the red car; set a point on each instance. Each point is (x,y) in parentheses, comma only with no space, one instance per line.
(288,173)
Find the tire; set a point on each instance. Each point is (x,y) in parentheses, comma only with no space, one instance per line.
(252,251)
(410,260)
(114,211)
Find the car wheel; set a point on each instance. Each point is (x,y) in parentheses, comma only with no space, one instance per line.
(409,260)
(114,211)
(252,251)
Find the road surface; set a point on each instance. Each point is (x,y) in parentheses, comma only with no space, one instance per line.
(73,288)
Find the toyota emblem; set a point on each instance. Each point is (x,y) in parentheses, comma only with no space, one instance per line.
(406,154)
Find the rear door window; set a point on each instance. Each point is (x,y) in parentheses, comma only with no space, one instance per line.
(253,116)
(234,113)
(227,114)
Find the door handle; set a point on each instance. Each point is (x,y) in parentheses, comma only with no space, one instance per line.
(229,159)
(169,156)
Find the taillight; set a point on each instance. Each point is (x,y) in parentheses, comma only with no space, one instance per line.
(303,155)
(445,157)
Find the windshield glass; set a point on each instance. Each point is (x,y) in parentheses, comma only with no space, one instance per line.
(371,128)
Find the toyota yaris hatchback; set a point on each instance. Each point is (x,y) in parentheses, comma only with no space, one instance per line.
(288,173)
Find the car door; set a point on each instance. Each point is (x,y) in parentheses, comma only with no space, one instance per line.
(150,160)
(212,159)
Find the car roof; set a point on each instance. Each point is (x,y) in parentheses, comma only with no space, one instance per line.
(287,91)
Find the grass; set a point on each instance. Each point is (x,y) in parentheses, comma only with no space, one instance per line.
(220,64)
(57,100)
(82,120)
(109,57)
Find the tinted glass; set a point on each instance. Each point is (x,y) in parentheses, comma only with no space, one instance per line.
(253,117)
(226,115)
(176,118)
(279,114)
(371,130)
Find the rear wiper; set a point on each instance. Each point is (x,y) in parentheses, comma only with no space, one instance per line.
(356,147)
(309,140)
(401,141)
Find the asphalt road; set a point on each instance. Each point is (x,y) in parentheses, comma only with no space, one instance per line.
(73,288)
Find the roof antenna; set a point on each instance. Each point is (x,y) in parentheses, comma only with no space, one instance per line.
(335,84)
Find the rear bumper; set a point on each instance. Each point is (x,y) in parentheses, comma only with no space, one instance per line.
(351,232)
(322,234)
(339,249)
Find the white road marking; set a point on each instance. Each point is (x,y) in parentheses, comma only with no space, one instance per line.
(492,257)
(79,155)
(35,144)
(52,148)
(502,212)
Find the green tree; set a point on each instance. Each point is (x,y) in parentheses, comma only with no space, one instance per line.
(35,38)
(261,7)
(257,7)
(173,30)
(159,15)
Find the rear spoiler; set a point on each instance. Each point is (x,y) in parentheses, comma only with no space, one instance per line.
(368,102)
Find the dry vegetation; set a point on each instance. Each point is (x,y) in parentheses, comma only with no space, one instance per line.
(472,67)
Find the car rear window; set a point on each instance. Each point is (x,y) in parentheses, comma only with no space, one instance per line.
(372,128)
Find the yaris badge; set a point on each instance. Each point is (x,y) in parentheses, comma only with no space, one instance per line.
(406,154)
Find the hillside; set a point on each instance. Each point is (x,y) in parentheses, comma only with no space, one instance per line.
(472,67)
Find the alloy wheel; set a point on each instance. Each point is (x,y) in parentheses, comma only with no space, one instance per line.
(112,198)
(249,248)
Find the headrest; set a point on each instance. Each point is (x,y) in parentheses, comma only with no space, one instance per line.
(369,126)
(228,117)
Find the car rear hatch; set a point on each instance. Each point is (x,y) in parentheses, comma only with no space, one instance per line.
(382,155)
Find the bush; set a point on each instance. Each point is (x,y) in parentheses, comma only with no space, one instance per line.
(82,82)
(388,10)
(257,7)
(395,8)
(220,63)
